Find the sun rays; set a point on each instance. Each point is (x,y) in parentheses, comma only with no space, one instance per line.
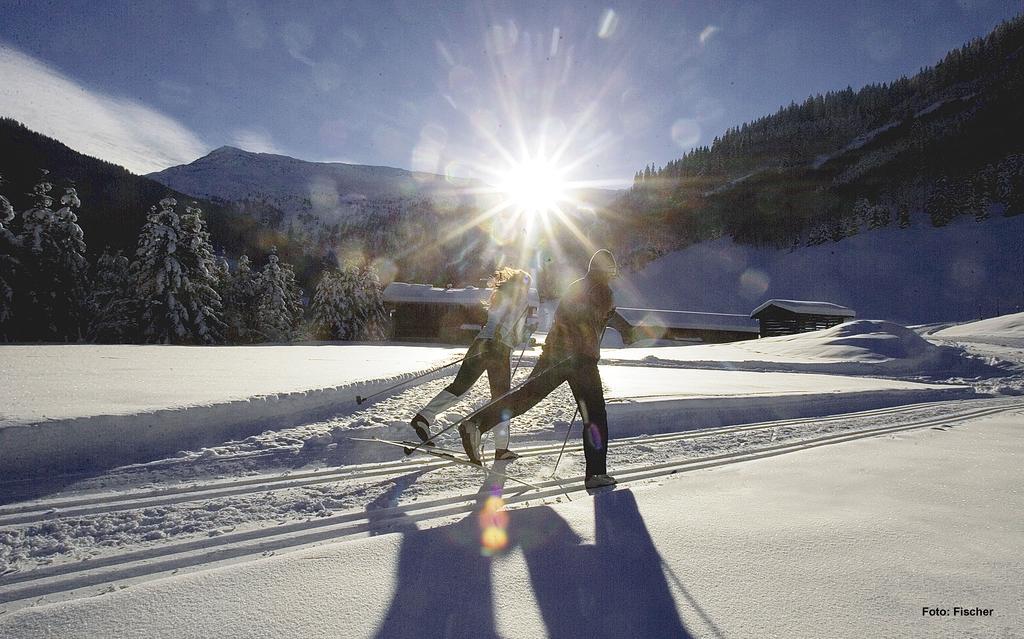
(535,124)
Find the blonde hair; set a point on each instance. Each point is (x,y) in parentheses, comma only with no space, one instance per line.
(507,281)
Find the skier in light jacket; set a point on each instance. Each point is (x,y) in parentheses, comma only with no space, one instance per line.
(571,352)
(491,351)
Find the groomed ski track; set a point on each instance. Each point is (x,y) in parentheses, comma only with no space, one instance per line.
(94,576)
(42,510)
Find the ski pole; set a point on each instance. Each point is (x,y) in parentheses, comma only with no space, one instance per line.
(567,431)
(360,399)
(520,358)
(497,399)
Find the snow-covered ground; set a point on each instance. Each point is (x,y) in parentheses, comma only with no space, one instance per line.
(843,541)
(960,272)
(297,530)
(72,406)
(136,403)
(119,380)
(1006,330)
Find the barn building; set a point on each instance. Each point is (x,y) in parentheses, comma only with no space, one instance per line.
(423,313)
(788,317)
(684,327)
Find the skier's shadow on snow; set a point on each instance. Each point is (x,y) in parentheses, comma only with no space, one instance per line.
(613,588)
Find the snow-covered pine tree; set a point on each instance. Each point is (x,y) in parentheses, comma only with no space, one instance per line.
(331,313)
(348,305)
(113,298)
(72,267)
(54,304)
(879,216)
(221,276)
(279,304)
(174,279)
(940,205)
(240,303)
(8,266)
(371,305)
(200,263)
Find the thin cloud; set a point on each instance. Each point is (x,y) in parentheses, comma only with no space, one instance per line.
(708,31)
(254,141)
(111,128)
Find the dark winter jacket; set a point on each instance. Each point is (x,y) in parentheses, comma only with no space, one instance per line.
(580,319)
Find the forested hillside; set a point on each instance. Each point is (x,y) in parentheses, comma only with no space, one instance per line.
(948,141)
(116,202)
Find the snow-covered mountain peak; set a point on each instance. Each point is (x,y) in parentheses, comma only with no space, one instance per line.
(296,186)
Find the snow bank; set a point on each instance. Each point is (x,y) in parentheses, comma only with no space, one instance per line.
(46,382)
(840,541)
(649,400)
(861,347)
(117,404)
(1005,329)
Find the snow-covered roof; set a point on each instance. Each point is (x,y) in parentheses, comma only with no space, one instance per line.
(427,294)
(688,319)
(807,308)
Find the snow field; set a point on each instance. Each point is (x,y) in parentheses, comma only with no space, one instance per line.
(128,403)
(317,487)
(919,274)
(837,541)
(1004,329)
(306,476)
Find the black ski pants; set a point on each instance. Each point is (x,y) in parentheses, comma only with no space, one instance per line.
(548,374)
(484,355)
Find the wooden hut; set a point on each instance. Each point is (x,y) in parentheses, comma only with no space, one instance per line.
(788,317)
(683,327)
(423,313)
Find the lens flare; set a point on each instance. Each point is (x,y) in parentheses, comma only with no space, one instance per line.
(493,526)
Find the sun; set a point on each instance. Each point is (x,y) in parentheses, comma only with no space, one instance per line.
(533,186)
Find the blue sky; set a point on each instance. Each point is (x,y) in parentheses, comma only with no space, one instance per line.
(600,89)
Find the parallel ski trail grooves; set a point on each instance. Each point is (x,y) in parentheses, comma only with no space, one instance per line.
(39,511)
(148,563)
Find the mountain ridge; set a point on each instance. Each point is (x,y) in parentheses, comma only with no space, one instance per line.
(298,186)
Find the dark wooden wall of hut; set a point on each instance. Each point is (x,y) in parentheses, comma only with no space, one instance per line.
(632,334)
(420,322)
(777,321)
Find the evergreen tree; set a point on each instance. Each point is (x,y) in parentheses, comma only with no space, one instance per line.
(279,304)
(349,305)
(54,303)
(221,275)
(8,265)
(331,318)
(940,204)
(241,296)
(72,267)
(879,216)
(173,275)
(903,214)
(113,299)
(373,317)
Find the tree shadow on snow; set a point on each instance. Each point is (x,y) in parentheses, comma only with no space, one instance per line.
(615,587)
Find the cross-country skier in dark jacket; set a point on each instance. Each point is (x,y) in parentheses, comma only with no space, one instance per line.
(490,351)
(571,352)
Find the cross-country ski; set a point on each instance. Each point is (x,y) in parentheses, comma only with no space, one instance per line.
(449,455)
